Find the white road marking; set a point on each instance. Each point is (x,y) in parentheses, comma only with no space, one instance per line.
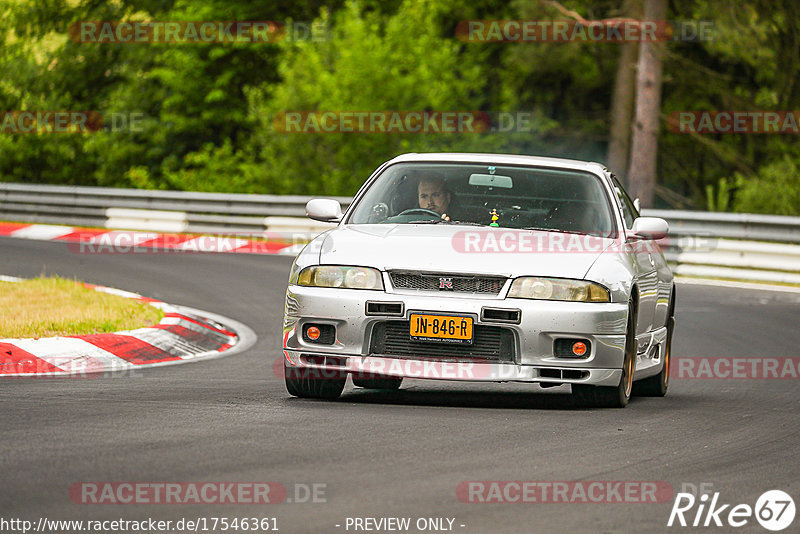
(42,232)
(739,285)
(118,292)
(73,355)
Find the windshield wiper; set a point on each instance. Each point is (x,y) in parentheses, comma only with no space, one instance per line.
(558,230)
(444,221)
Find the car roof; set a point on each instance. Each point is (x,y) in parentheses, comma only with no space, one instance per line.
(502,159)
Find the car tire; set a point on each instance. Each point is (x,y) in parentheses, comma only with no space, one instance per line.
(378,382)
(613,396)
(312,383)
(656,386)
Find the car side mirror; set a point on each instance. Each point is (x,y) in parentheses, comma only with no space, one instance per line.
(637,205)
(324,209)
(649,228)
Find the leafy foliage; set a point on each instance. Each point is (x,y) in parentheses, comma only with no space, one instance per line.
(773,190)
(208,110)
(369,65)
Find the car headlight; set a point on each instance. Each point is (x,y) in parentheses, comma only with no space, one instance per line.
(339,276)
(530,287)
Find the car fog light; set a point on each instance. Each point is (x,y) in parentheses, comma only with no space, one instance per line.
(572,348)
(321,334)
(313,334)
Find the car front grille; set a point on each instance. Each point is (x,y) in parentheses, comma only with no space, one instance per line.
(440,282)
(392,338)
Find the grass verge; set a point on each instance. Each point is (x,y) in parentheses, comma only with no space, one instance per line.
(46,307)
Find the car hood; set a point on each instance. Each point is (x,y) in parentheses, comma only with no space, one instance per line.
(462,249)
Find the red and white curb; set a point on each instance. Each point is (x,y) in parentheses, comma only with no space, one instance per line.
(104,241)
(183,335)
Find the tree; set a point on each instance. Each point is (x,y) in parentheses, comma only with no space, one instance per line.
(622,103)
(370,64)
(647,119)
(208,107)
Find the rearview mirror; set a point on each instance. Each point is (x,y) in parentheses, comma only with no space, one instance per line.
(324,209)
(649,228)
(491,180)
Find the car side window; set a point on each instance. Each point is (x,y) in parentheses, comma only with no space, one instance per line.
(629,212)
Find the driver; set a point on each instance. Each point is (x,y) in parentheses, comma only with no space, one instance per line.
(432,194)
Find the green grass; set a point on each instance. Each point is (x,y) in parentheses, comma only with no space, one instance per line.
(46,307)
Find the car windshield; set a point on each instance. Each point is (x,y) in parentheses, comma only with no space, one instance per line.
(475,194)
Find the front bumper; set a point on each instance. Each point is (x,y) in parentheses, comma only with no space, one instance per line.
(531,359)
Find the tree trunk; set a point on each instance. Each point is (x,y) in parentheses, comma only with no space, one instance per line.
(644,139)
(623,99)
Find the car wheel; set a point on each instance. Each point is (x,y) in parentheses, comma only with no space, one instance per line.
(313,383)
(656,386)
(613,396)
(378,382)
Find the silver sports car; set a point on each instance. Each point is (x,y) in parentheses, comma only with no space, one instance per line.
(483,267)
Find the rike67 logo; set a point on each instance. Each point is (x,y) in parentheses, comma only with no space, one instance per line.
(774,510)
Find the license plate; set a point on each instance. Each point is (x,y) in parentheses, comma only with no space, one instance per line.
(441,328)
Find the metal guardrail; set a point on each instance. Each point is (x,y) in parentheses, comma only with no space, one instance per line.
(725,245)
(741,246)
(754,227)
(202,212)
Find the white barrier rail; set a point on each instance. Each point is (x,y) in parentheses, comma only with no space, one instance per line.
(741,260)
(202,212)
(724,245)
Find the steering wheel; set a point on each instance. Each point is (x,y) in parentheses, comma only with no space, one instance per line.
(419,210)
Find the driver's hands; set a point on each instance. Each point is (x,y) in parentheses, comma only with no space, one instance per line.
(445,217)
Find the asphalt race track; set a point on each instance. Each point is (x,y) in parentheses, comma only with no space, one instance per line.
(399,454)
